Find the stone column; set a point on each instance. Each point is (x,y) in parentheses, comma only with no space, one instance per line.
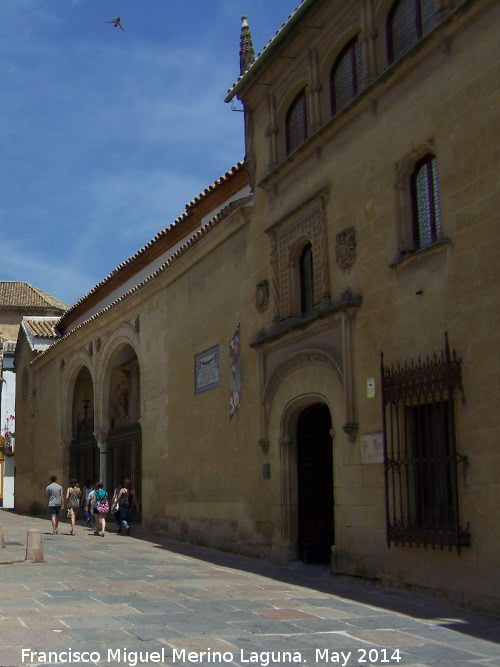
(272,133)
(285,443)
(275,290)
(314,90)
(101,437)
(368,38)
(351,426)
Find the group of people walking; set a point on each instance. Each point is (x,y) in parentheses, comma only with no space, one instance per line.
(94,500)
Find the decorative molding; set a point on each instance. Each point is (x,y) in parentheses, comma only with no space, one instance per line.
(351,430)
(293,363)
(306,224)
(264,445)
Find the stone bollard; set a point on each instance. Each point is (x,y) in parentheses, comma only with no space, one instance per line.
(2,542)
(34,551)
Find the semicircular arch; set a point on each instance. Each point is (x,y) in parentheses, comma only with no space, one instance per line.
(70,374)
(122,337)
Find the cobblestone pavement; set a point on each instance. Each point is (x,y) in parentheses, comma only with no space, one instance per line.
(142,600)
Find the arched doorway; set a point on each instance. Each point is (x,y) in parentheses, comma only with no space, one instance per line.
(315,484)
(124,437)
(84,455)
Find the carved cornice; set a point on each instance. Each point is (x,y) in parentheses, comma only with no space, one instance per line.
(347,303)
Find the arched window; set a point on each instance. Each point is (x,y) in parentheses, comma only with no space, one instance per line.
(425,202)
(297,122)
(346,76)
(407,22)
(306,280)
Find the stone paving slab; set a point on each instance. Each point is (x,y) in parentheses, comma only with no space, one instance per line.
(142,600)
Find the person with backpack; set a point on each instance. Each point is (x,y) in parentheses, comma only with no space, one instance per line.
(127,504)
(100,509)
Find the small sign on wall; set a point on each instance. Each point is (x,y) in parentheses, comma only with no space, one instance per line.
(207,370)
(370,388)
(373,448)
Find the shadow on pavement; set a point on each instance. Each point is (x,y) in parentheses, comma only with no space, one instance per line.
(374,593)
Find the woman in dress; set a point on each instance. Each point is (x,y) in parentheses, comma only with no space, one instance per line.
(73,499)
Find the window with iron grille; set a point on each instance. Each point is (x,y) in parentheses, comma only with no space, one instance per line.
(407,22)
(420,453)
(346,76)
(297,122)
(425,202)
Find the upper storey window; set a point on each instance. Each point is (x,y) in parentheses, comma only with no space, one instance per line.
(425,200)
(408,21)
(346,75)
(297,122)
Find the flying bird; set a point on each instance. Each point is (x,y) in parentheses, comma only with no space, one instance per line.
(116,22)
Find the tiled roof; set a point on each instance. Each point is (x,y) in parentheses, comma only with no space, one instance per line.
(189,207)
(42,327)
(9,346)
(23,295)
(269,47)
(192,241)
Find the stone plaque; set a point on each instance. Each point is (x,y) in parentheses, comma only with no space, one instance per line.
(373,448)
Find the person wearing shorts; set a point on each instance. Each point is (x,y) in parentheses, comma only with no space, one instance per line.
(55,502)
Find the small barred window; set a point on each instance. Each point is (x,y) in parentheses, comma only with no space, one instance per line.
(425,201)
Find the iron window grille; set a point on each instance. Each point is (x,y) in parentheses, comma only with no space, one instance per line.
(421,461)
(407,22)
(297,122)
(346,76)
(425,203)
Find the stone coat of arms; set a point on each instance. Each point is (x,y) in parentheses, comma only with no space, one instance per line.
(262,296)
(345,248)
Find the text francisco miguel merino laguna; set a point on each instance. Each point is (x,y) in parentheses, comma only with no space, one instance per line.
(134,658)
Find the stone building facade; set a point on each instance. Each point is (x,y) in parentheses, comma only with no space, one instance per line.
(17,299)
(359,271)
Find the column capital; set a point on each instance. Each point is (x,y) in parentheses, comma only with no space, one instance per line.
(101,437)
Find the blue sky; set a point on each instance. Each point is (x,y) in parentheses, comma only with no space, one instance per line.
(106,135)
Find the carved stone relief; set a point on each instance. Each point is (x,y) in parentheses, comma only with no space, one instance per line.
(345,248)
(262,296)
